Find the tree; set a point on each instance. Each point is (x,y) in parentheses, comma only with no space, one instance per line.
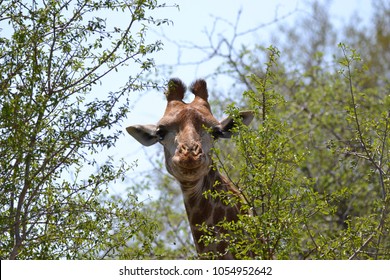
(302,206)
(335,134)
(314,169)
(54,55)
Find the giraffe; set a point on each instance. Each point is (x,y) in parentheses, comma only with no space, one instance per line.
(187,132)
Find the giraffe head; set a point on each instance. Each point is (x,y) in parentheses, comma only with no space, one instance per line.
(187,131)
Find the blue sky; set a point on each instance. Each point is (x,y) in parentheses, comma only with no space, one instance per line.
(190,25)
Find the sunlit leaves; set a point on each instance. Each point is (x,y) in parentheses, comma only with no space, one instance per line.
(314,170)
(53,57)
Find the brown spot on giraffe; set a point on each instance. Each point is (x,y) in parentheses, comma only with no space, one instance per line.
(184,131)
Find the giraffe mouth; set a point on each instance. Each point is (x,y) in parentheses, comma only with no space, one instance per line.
(189,162)
(189,168)
(190,172)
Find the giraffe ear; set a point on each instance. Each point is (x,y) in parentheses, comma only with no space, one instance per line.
(145,134)
(228,123)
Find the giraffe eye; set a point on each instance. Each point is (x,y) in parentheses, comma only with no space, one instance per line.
(161,132)
(217,132)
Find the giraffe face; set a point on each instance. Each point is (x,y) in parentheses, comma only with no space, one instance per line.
(186,131)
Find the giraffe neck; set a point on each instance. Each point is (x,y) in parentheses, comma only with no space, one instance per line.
(206,210)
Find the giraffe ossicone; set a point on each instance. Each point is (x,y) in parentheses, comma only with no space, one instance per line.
(187,132)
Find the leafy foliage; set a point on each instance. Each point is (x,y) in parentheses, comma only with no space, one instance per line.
(314,169)
(296,212)
(53,55)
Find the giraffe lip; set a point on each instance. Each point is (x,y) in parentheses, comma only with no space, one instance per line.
(188,163)
(187,168)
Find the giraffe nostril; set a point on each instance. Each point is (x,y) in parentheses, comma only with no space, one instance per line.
(183,149)
(194,149)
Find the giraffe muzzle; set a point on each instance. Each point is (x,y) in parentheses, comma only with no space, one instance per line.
(189,156)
